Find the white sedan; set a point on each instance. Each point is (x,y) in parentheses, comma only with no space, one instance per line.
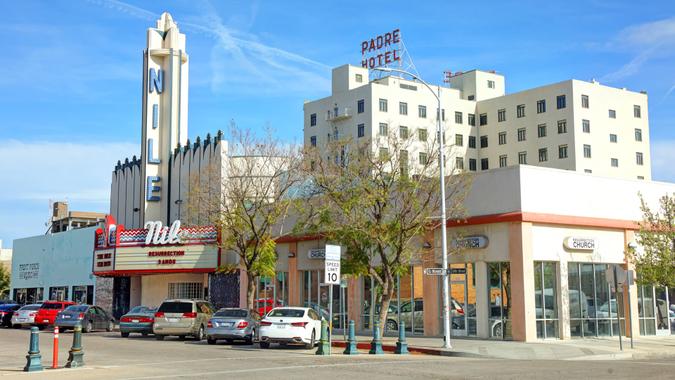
(290,325)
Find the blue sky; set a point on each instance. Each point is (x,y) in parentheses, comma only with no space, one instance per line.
(70,73)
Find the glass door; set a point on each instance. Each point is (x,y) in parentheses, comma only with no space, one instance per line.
(499,298)
(662,311)
(458,302)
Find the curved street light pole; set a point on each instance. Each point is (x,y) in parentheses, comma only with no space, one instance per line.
(444,241)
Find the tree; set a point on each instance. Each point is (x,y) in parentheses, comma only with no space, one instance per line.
(248,197)
(655,263)
(377,202)
(5,280)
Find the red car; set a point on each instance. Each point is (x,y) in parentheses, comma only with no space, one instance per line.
(264,305)
(46,314)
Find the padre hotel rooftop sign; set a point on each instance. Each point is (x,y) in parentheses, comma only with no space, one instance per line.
(381,50)
(154,249)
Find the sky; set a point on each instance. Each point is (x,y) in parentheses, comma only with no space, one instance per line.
(71,71)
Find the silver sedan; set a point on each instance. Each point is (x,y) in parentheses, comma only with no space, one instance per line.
(232,324)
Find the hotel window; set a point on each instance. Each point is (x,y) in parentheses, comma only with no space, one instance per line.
(459,163)
(640,177)
(422,134)
(458,118)
(186,290)
(638,134)
(522,158)
(423,158)
(587,151)
(483,119)
(637,112)
(384,129)
(520,111)
(588,171)
(521,134)
(442,114)
(541,130)
(561,101)
(384,154)
(541,106)
(312,141)
(615,162)
(472,119)
(612,114)
(543,155)
(612,138)
(584,101)
(459,140)
(502,138)
(472,164)
(383,105)
(472,142)
(562,151)
(586,126)
(312,120)
(361,106)
(361,130)
(471,97)
(422,112)
(502,161)
(403,132)
(639,159)
(403,108)
(359,78)
(562,126)
(501,115)
(491,83)
(484,164)
(328,137)
(483,141)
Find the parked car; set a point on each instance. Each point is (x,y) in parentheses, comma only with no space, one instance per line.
(182,317)
(46,315)
(264,305)
(290,325)
(25,315)
(89,317)
(232,324)
(6,312)
(138,320)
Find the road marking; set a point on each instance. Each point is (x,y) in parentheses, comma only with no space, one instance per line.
(282,368)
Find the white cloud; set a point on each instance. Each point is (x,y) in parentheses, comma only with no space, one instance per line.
(663,156)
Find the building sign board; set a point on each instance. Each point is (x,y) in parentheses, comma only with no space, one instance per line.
(576,243)
(381,50)
(29,271)
(470,242)
(316,254)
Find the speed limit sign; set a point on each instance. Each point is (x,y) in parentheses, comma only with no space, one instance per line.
(332,265)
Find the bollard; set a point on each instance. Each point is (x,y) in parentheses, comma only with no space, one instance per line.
(33,359)
(76,353)
(350,347)
(324,348)
(55,349)
(401,345)
(376,344)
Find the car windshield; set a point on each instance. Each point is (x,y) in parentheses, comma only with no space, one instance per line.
(176,307)
(233,313)
(51,306)
(30,307)
(293,313)
(77,308)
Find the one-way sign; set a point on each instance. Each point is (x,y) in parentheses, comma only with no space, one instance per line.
(434,271)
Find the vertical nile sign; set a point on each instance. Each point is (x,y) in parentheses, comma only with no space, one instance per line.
(164,125)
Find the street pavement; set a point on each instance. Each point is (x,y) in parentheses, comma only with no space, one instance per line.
(108,356)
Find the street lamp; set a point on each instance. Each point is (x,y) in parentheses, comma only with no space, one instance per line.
(444,242)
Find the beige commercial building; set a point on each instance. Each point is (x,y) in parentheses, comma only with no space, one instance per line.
(573,125)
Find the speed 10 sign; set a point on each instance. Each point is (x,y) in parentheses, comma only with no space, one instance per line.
(332,272)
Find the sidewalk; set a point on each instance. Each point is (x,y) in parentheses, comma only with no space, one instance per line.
(574,349)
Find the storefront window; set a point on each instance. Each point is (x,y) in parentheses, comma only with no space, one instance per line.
(662,311)
(463,291)
(58,293)
(646,310)
(186,290)
(83,294)
(499,296)
(593,304)
(406,305)
(29,295)
(546,299)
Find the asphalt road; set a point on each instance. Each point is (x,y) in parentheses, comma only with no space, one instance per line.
(108,356)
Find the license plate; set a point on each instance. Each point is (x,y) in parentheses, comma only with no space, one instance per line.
(45,320)
(134,320)
(66,317)
(21,319)
(281,326)
(172,320)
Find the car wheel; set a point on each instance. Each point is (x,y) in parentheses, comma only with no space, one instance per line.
(211,341)
(159,337)
(124,334)
(110,326)
(228,341)
(310,345)
(181,337)
(200,334)
(16,326)
(41,327)
(391,325)
(144,334)
(87,327)
(264,345)
(249,339)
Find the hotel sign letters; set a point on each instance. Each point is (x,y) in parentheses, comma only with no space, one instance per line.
(381,50)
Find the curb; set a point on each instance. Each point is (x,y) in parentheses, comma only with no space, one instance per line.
(365,346)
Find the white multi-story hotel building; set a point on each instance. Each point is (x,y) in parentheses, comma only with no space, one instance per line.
(572,125)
